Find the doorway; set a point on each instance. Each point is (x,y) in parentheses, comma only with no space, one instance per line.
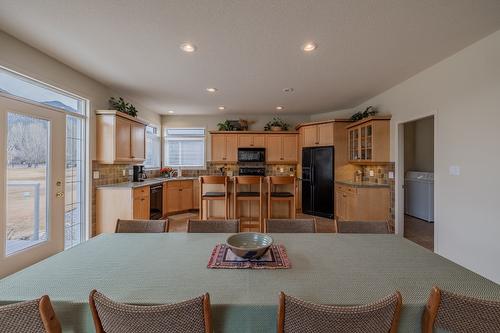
(418,188)
(33,169)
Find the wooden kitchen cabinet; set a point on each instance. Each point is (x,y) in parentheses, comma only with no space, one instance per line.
(113,203)
(282,148)
(362,203)
(141,203)
(368,140)
(120,138)
(178,196)
(251,141)
(317,135)
(224,147)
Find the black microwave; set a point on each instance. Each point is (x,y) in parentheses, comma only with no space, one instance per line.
(251,154)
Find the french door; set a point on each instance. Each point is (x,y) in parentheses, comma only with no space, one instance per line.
(32,183)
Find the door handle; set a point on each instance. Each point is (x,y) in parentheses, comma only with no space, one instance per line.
(59,194)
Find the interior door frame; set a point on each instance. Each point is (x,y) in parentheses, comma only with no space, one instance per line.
(399,195)
(55,205)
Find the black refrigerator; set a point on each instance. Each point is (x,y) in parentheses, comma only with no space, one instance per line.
(317,181)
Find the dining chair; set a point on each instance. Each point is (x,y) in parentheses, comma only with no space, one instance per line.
(36,316)
(457,313)
(213,226)
(257,195)
(362,227)
(141,226)
(298,316)
(273,194)
(207,196)
(291,225)
(193,315)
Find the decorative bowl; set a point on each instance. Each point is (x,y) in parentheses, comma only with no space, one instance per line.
(249,245)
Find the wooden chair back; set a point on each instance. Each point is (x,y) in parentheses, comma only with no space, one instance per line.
(31,316)
(193,315)
(296,315)
(361,227)
(213,180)
(281,180)
(247,180)
(291,225)
(141,226)
(457,313)
(213,226)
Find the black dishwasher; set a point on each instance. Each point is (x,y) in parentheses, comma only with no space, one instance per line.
(156,202)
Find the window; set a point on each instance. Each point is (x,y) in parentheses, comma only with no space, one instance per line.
(153,148)
(18,85)
(185,147)
(25,88)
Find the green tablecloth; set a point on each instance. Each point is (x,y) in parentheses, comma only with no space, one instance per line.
(163,268)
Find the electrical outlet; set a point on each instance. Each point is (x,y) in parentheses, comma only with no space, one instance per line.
(282,170)
(391,175)
(124,172)
(96,175)
(131,172)
(372,173)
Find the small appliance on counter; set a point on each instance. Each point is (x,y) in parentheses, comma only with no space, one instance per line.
(139,173)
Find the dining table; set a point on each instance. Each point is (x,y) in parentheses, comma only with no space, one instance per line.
(144,269)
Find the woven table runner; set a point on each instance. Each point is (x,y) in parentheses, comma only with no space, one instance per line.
(274,258)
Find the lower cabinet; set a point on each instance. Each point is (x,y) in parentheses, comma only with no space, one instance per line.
(177,196)
(113,203)
(362,203)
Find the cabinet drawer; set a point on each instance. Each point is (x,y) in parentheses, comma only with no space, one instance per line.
(141,192)
(186,184)
(174,184)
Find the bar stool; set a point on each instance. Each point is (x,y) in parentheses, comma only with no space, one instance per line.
(248,196)
(274,195)
(209,196)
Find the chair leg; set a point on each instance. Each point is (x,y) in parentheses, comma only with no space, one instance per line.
(294,210)
(200,214)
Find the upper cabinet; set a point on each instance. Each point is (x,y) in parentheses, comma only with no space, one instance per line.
(120,138)
(282,148)
(251,141)
(224,147)
(368,140)
(317,134)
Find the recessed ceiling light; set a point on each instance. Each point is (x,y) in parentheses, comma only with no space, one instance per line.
(188,47)
(309,47)
(279,108)
(170,111)
(222,107)
(212,90)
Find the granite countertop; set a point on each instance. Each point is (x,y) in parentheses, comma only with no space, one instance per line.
(360,184)
(147,182)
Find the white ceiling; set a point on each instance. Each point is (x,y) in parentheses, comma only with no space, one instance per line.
(250,50)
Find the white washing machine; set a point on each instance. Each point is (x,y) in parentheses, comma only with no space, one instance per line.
(419,195)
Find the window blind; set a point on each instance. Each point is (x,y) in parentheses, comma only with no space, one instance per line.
(185,147)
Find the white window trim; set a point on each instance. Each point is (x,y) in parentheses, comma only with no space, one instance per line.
(164,147)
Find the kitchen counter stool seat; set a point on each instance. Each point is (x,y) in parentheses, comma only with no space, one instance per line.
(206,197)
(249,196)
(275,195)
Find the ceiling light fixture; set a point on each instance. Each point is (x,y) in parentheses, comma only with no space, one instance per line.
(309,47)
(279,108)
(170,111)
(188,47)
(211,90)
(222,107)
(288,90)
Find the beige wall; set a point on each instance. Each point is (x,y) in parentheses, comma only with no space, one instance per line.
(463,92)
(419,145)
(210,122)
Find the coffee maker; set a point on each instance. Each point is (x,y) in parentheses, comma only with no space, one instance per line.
(139,173)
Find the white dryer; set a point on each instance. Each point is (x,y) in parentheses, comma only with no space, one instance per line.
(419,195)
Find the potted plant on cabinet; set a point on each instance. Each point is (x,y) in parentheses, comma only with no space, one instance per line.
(276,124)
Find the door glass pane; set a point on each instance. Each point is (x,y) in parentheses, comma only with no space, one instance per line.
(74,218)
(27,175)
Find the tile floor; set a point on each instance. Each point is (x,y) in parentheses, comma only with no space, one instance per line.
(178,223)
(419,231)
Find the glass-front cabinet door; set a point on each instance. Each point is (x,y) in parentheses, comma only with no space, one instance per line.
(354,144)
